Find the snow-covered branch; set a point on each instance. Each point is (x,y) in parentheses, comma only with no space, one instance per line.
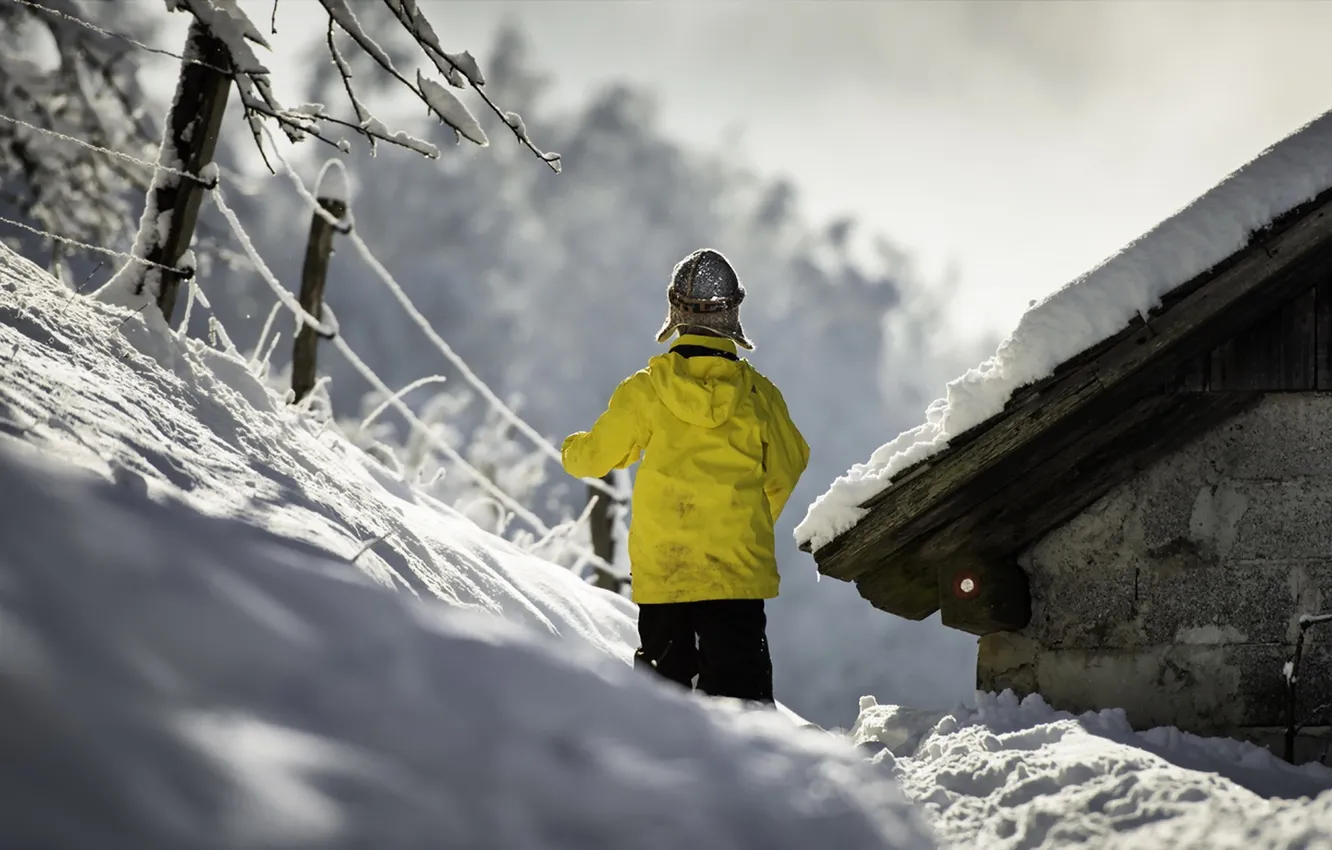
(232,27)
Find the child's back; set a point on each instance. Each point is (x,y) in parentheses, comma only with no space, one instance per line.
(720,457)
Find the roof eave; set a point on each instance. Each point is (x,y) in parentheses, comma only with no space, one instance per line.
(914,525)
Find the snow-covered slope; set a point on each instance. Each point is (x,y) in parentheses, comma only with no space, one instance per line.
(169,679)
(1092,308)
(127,399)
(1010,774)
(188,657)
(197,650)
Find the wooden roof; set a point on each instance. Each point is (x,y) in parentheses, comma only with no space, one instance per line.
(948,530)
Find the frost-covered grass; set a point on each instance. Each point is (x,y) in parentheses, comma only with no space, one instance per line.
(1090,309)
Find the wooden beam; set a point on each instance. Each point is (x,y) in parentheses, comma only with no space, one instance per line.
(1041,496)
(1323,334)
(1127,367)
(908,587)
(983,596)
(1276,354)
(1299,354)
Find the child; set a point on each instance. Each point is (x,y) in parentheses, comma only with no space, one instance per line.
(720,458)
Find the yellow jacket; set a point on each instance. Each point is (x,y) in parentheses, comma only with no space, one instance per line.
(720,458)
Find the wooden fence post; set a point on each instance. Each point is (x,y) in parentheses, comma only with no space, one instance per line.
(602,521)
(332,197)
(193,126)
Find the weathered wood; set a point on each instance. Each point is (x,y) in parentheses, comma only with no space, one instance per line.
(875,538)
(314,274)
(1299,344)
(907,588)
(1192,377)
(1276,354)
(1087,468)
(194,123)
(1129,366)
(1268,273)
(1025,509)
(1323,334)
(983,596)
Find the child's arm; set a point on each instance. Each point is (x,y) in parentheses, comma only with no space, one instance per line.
(786,453)
(617,437)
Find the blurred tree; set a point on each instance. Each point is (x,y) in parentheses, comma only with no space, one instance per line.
(58,75)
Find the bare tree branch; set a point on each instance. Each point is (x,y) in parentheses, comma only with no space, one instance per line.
(344,71)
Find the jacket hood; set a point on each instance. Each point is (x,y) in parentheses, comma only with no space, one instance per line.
(700,390)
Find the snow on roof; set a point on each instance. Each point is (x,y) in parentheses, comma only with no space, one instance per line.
(1090,309)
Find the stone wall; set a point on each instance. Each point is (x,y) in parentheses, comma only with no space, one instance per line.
(1177,595)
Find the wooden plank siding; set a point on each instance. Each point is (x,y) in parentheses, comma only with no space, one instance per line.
(1261,321)
(1282,352)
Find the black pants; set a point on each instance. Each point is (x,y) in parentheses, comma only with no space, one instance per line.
(722,641)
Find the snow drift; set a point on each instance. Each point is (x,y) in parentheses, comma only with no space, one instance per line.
(1092,308)
(1018,774)
(198,646)
(175,680)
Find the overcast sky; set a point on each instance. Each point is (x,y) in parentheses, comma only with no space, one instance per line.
(1024,142)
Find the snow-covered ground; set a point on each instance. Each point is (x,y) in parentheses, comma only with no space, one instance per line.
(189,656)
(199,649)
(1009,774)
(173,680)
(1090,309)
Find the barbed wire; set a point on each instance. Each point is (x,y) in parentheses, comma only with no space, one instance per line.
(532,520)
(497,492)
(127,39)
(183,273)
(156,166)
(285,299)
(346,225)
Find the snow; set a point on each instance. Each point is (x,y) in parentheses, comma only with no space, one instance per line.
(519,127)
(229,24)
(339,11)
(137,284)
(380,130)
(185,681)
(200,648)
(1090,309)
(194,422)
(451,110)
(1017,774)
(332,183)
(465,62)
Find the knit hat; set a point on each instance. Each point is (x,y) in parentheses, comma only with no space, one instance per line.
(705,293)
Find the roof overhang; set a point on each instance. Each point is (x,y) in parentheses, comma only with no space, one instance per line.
(1060,444)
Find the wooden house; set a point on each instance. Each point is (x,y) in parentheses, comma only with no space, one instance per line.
(1144,527)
